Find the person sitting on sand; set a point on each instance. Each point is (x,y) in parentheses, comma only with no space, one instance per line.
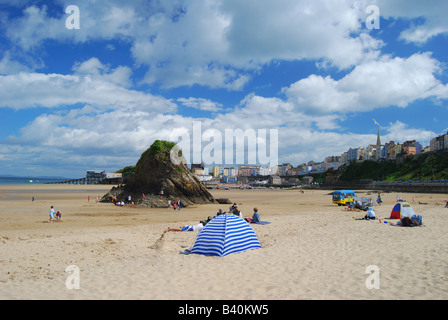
(197,227)
(209,218)
(236,211)
(59,215)
(219,212)
(370,214)
(256,216)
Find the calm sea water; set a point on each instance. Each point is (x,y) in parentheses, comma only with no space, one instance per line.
(25,180)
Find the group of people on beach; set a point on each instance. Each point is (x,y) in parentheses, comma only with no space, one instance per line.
(55,216)
(176,204)
(233,210)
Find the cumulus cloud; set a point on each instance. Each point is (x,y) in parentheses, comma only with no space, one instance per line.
(399,131)
(201,104)
(433,14)
(371,85)
(92,83)
(116,138)
(220,43)
(216,43)
(8,65)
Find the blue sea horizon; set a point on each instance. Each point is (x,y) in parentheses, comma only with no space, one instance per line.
(28,180)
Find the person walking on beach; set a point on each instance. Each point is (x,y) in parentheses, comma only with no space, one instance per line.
(379,200)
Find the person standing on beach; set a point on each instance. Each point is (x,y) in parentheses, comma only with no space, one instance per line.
(52,214)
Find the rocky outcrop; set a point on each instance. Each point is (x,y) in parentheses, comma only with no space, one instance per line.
(155,172)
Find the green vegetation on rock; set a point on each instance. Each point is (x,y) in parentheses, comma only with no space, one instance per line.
(426,166)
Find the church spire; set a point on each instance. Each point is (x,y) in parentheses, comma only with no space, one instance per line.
(378,139)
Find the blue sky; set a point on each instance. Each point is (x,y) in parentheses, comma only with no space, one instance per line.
(96,97)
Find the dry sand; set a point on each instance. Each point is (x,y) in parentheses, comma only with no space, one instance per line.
(311,250)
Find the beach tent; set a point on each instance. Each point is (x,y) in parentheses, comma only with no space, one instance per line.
(401,210)
(225,234)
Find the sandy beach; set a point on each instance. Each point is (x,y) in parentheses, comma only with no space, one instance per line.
(312,249)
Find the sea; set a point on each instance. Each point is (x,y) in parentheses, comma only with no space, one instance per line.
(27,180)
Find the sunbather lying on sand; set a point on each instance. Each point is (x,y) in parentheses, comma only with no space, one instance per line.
(197,227)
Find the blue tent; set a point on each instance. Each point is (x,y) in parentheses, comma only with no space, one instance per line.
(225,234)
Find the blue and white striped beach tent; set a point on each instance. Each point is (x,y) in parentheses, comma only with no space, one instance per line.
(225,234)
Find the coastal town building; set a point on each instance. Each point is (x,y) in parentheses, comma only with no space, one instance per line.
(409,148)
(92,174)
(284,168)
(391,150)
(439,143)
(215,171)
(114,175)
(353,154)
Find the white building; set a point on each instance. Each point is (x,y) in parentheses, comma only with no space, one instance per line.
(266,171)
(353,154)
(113,175)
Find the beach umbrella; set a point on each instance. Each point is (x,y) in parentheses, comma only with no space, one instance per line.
(225,234)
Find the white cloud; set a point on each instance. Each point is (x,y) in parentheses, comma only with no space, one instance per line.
(219,43)
(98,20)
(115,138)
(201,104)
(11,66)
(432,12)
(399,131)
(92,83)
(374,84)
(120,76)
(215,43)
